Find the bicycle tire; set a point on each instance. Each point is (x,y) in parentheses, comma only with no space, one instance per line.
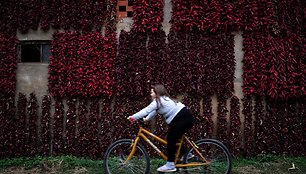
(215,152)
(117,153)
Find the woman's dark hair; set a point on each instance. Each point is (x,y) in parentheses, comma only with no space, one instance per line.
(160,90)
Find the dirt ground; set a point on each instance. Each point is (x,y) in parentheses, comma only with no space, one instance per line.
(271,168)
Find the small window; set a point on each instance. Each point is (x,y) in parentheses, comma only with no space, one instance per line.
(129,14)
(34,51)
(122,8)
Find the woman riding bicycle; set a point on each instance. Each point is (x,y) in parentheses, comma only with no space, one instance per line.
(176,115)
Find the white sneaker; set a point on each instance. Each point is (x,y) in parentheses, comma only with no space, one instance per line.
(166,168)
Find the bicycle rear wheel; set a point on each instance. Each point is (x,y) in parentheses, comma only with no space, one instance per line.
(116,155)
(215,152)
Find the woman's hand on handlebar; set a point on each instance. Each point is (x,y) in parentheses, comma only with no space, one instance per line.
(141,121)
(131,119)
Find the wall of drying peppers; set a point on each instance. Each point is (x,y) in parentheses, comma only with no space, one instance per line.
(81,65)
(221,15)
(273,65)
(197,53)
(24,15)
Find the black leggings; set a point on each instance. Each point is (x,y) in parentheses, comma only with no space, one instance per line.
(181,123)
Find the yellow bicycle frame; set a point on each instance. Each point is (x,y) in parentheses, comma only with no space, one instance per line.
(143,133)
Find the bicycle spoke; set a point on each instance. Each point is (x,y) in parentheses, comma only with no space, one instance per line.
(116,156)
(216,154)
(136,170)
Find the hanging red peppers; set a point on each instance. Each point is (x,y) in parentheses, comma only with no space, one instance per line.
(81,65)
(273,67)
(148,15)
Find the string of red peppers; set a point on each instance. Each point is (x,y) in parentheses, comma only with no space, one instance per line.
(286,128)
(51,16)
(130,81)
(57,128)
(7,124)
(124,108)
(28,15)
(194,105)
(259,129)
(20,128)
(131,65)
(248,122)
(83,131)
(106,117)
(203,67)
(207,116)
(8,17)
(46,125)
(297,128)
(274,108)
(147,15)
(110,76)
(291,16)
(100,9)
(67,15)
(222,120)
(31,127)
(194,60)
(178,54)
(300,127)
(235,124)
(224,64)
(8,64)
(156,70)
(70,138)
(93,149)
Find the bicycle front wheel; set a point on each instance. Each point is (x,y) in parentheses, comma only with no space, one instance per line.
(217,156)
(116,156)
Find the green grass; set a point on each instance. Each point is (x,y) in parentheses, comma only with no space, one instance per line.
(267,164)
(62,164)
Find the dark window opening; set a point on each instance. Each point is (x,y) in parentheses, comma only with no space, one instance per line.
(30,53)
(129,14)
(122,8)
(34,51)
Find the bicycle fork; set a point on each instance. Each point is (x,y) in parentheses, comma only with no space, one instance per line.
(133,145)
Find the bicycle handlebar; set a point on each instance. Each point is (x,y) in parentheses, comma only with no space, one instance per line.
(141,122)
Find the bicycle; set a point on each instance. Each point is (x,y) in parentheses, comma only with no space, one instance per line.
(203,156)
